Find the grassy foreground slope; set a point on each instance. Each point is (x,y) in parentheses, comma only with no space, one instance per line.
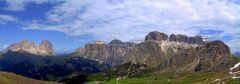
(193,78)
(11,78)
(187,78)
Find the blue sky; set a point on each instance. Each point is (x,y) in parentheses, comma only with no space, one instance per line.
(70,24)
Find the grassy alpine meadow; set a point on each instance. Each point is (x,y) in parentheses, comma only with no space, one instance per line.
(189,78)
(193,78)
(11,78)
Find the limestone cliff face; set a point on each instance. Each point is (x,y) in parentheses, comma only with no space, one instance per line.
(44,49)
(158,36)
(178,53)
(191,40)
(168,56)
(112,53)
(215,55)
(212,56)
(149,53)
(154,53)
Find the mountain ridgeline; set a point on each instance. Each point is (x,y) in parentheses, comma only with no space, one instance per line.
(159,53)
(175,53)
(164,57)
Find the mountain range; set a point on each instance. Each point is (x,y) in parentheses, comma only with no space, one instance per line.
(44,49)
(237,54)
(162,52)
(174,55)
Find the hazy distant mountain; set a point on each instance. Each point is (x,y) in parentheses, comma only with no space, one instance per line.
(63,52)
(237,54)
(44,49)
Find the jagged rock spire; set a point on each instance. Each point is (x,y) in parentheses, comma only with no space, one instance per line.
(45,48)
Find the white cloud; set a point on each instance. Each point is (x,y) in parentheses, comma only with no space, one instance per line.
(133,19)
(19,5)
(7,18)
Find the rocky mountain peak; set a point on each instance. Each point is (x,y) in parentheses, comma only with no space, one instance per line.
(173,37)
(182,38)
(111,53)
(116,41)
(33,45)
(45,48)
(155,35)
(25,43)
(158,36)
(218,47)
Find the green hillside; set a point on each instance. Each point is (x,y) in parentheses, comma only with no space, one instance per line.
(193,78)
(11,78)
(204,77)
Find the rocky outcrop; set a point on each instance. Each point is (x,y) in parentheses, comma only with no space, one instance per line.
(199,40)
(173,37)
(158,36)
(149,53)
(45,48)
(112,53)
(154,53)
(116,41)
(182,38)
(215,55)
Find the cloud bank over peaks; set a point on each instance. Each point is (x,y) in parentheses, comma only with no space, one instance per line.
(130,19)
